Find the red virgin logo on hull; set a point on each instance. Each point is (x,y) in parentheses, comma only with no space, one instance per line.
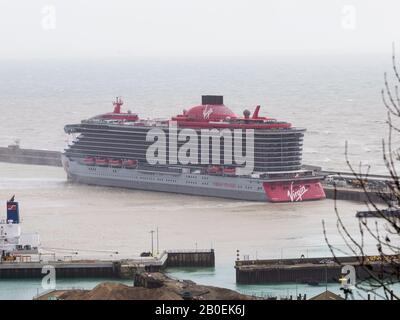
(296,195)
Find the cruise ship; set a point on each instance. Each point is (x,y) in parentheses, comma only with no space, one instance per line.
(207,150)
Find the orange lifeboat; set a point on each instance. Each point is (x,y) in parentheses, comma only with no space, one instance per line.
(214,170)
(102,162)
(115,163)
(89,161)
(130,163)
(229,171)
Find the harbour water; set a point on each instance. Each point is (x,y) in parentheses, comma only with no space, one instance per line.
(335,98)
(26,289)
(96,222)
(104,219)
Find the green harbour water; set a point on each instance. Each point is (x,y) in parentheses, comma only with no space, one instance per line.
(27,289)
(221,276)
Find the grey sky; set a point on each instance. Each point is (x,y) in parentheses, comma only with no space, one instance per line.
(128,28)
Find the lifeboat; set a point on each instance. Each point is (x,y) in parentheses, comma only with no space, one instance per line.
(214,170)
(89,161)
(102,162)
(229,171)
(115,163)
(130,164)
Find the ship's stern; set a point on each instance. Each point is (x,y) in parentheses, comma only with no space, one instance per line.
(294,191)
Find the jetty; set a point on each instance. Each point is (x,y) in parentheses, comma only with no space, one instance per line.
(14,154)
(354,194)
(308,270)
(123,269)
(341,185)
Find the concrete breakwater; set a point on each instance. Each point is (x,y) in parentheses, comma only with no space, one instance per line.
(354,194)
(187,258)
(14,154)
(308,270)
(125,269)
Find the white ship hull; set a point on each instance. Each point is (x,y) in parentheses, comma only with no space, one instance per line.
(241,188)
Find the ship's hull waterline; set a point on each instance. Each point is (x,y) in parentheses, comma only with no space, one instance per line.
(238,188)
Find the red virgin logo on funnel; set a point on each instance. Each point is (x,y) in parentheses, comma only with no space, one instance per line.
(207,112)
(296,195)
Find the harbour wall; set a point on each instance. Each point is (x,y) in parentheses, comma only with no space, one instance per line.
(197,258)
(93,269)
(311,271)
(125,269)
(354,194)
(14,154)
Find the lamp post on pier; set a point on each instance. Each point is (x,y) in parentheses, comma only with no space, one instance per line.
(152,242)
